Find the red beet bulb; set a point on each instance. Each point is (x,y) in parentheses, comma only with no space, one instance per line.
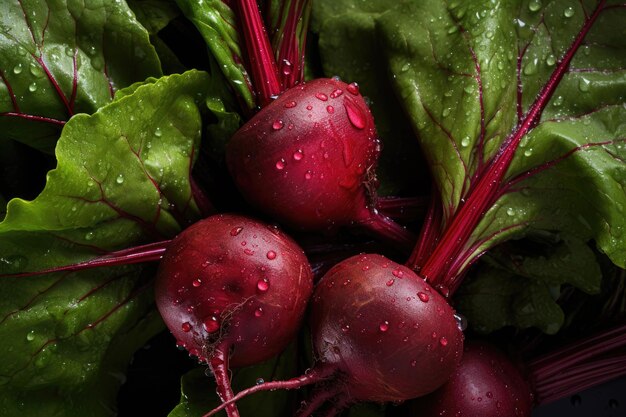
(308,159)
(486,384)
(233,290)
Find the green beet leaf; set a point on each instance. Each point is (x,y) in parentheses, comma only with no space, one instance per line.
(154,15)
(468,73)
(63,57)
(122,178)
(518,284)
(217,23)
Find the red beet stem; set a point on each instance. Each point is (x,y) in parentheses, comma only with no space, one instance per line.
(402,208)
(387,230)
(219,366)
(138,254)
(428,235)
(605,371)
(579,365)
(314,376)
(575,353)
(291,47)
(482,195)
(259,52)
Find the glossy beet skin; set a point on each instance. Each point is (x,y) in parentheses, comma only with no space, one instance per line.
(229,279)
(308,158)
(388,333)
(486,384)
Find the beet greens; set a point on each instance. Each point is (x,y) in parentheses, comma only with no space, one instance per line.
(518,108)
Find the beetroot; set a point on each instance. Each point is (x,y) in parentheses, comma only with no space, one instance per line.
(233,289)
(305,157)
(380,333)
(308,159)
(486,384)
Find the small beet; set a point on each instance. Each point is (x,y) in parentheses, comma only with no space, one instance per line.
(486,384)
(232,289)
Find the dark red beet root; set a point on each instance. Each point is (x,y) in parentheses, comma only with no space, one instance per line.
(308,158)
(384,328)
(380,333)
(486,384)
(231,288)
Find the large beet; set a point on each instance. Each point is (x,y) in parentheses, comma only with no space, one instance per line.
(307,159)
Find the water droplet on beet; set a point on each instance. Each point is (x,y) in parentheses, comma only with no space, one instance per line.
(263,285)
(413,363)
(353,88)
(423,296)
(235,231)
(345,328)
(308,175)
(390,282)
(258,312)
(384,326)
(443,341)
(271,255)
(298,155)
(397,273)
(309,107)
(489,394)
(186,326)
(211,325)
(278,124)
(321,96)
(280,164)
(330,109)
(336,93)
(290,105)
(197,282)
(461,322)
(248,251)
(355,114)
